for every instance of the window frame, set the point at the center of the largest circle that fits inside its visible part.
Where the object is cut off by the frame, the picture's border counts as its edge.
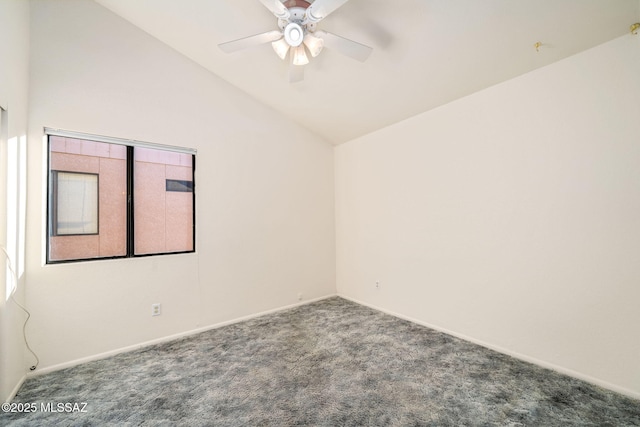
(130, 197)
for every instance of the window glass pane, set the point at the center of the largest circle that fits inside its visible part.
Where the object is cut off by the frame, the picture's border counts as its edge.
(77, 203)
(163, 201)
(179, 185)
(87, 199)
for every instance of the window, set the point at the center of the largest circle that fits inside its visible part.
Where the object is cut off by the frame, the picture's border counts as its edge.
(13, 179)
(75, 203)
(163, 219)
(112, 198)
(180, 186)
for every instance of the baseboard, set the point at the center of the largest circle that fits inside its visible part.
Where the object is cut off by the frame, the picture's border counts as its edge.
(168, 338)
(15, 389)
(544, 364)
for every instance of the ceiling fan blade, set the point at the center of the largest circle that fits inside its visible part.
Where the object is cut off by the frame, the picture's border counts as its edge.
(296, 72)
(320, 9)
(347, 47)
(250, 41)
(277, 8)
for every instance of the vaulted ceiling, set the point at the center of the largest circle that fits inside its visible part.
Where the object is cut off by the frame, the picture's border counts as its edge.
(426, 52)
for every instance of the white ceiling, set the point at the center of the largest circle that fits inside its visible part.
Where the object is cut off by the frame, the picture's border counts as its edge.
(426, 52)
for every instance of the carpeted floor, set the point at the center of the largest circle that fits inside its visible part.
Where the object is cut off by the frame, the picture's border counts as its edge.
(330, 363)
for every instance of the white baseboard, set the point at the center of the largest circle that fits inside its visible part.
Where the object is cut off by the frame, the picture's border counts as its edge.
(104, 355)
(566, 371)
(15, 389)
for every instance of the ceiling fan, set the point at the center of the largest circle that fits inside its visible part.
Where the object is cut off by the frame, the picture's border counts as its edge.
(297, 20)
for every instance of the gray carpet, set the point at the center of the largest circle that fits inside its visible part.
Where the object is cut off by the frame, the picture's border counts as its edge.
(330, 363)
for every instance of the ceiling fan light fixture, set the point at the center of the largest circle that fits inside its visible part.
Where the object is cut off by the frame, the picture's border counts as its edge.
(314, 44)
(299, 56)
(293, 34)
(281, 47)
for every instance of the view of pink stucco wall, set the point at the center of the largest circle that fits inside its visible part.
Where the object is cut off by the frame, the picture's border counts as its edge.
(163, 220)
(109, 162)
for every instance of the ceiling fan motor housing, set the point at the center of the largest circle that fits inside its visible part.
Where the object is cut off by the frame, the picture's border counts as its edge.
(302, 4)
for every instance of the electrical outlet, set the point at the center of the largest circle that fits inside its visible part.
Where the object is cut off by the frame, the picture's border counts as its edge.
(299, 297)
(155, 309)
(377, 284)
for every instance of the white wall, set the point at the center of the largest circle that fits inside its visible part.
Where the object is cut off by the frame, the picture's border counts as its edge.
(14, 73)
(265, 227)
(510, 217)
